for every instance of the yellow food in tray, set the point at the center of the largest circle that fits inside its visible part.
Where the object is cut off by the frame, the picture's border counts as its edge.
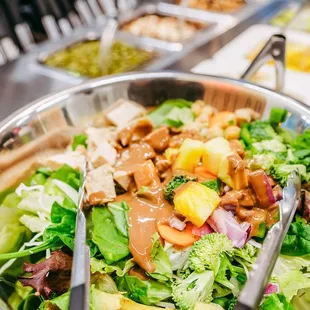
(82, 59)
(297, 56)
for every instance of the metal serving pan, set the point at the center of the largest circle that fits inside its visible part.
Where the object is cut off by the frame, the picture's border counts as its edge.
(151, 9)
(158, 48)
(243, 7)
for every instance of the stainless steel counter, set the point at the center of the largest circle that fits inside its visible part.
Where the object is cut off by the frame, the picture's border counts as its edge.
(24, 80)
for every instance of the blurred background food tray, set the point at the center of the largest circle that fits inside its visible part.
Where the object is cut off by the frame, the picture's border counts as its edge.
(232, 61)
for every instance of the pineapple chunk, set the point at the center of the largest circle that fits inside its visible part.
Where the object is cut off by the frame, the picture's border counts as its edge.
(189, 156)
(196, 202)
(224, 162)
(216, 151)
(171, 153)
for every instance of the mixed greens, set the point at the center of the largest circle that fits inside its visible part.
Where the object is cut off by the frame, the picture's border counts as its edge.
(178, 204)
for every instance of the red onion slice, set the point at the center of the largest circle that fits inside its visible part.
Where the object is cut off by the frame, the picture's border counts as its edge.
(224, 222)
(271, 289)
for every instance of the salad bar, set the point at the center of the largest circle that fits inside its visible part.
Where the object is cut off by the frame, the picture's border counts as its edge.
(181, 192)
(153, 28)
(160, 190)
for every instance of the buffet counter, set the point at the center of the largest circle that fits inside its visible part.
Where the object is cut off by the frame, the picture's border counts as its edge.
(205, 32)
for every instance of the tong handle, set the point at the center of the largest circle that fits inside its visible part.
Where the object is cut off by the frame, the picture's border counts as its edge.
(253, 290)
(273, 50)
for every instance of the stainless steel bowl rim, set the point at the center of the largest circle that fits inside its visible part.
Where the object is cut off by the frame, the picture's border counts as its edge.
(50, 100)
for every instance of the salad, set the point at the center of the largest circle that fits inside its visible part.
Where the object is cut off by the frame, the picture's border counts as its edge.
(179, 201)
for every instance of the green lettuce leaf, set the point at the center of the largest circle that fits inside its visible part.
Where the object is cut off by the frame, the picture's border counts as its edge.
(68, 175)
(121, 268)
(20, 293)
(291, 282)
(79, 140)
(297, 240)
(13, 233)
(245, 256)
(146, 292)
(104, 283)
(276, 302)
(172, 112)
(63, 225)
(105, 234)
(31, 302)
(227, 271)
(61, 303)
(11, 200)
(120, 213)
(163, 267)
(302, 141)
(277, 115)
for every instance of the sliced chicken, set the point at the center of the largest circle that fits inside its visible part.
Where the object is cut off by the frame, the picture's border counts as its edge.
(100, 148)
(100, 185)
(158, 139)
(123, 178)
(123, 111)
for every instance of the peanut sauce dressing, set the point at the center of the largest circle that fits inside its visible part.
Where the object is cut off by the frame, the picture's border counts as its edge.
(147, 208)
(257, 216)
(237, 171)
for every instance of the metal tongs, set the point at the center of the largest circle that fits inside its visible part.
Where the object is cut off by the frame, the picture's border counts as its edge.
(80, 278)
(273, 50)
(253, 290)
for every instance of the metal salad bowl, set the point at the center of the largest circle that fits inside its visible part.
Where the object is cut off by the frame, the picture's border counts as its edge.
(49, 122)
(78, 105)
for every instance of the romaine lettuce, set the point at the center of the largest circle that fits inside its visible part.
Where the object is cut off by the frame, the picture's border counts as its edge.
(148, 292)
(163, 268)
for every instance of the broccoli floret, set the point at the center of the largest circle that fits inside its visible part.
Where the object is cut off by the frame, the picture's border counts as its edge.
(213, 184)
(264, 161)
(206, 252)
(273, 145)
(195, 288)
(257, 132)
(281, 172)
(174, 184)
